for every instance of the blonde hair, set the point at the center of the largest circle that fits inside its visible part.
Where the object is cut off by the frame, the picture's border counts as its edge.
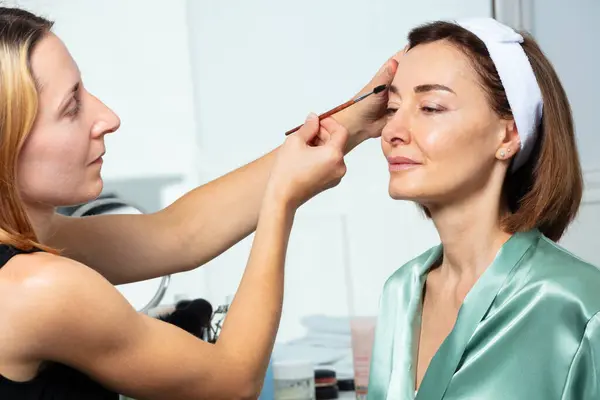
(20, 31)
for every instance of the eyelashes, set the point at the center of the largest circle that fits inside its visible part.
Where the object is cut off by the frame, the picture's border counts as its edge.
(431, 110)
(74, 111)
(390, 111)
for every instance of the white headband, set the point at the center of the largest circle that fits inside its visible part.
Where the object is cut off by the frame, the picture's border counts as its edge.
(521, 87)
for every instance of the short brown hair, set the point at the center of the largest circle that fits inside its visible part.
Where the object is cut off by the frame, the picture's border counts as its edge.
(546, 191)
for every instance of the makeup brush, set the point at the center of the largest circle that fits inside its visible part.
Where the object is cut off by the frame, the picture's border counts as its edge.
(341, 107)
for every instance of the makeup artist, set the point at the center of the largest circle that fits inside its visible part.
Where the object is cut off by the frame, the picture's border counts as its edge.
(71, 334)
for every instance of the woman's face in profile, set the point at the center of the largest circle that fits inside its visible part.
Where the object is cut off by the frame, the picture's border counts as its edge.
(441, 137)
(60, 162)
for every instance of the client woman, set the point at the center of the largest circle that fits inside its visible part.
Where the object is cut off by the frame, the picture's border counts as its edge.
(480, 134)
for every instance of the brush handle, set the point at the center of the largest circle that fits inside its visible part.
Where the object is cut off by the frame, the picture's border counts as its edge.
(325, 115)
(339, 108)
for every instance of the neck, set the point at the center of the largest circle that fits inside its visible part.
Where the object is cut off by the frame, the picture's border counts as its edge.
(41, 218)
(471, 234)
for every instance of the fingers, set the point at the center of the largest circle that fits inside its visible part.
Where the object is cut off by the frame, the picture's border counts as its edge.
(338, 137)
(399, 54)
(338, 172)
(386, 73)
(321, 138)
(310, 129)
(338, 133)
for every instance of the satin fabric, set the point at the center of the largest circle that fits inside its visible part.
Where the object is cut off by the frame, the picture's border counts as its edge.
(528, 329)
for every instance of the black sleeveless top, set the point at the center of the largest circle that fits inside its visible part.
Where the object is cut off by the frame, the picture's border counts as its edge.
(54, 381)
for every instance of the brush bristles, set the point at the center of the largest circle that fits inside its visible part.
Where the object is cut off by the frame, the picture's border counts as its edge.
(379, 89)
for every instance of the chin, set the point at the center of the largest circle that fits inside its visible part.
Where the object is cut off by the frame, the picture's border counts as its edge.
(399, 196)
(61, 194)
(403, 190)
(95, 190)
(84, 195)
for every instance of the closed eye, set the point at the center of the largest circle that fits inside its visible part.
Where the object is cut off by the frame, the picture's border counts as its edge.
(72, 102)
(431, 110)
(74, 110)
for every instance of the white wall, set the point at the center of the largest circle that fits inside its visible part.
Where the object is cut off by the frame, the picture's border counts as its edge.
(582, 236)
(568, 32)
(259, 67)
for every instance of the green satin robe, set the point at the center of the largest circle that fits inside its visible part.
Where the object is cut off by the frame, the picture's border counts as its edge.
(528, 329)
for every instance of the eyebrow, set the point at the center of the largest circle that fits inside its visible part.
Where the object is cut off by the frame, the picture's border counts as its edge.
(424, 88)
(68, 96)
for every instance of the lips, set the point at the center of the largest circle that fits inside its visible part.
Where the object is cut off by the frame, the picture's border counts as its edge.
(397, 163)
(99, 158)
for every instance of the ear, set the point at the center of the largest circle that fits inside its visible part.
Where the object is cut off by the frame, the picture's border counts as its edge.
(511, 142)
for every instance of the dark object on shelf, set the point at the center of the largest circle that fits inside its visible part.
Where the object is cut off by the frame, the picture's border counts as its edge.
(326, 384)
(193, 316)
(346, 385)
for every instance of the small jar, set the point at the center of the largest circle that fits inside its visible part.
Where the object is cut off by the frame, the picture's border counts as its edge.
(326, 384)
(294, 380)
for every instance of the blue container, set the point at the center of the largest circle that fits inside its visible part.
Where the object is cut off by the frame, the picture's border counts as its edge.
(268, 390)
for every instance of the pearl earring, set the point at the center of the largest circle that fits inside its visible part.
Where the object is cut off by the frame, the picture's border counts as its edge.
(502, 154)
(508, 150)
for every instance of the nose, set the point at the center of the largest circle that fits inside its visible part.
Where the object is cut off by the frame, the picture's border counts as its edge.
(106, 121)
(397, 130)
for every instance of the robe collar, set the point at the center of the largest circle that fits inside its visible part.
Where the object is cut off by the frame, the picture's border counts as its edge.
(394, 355)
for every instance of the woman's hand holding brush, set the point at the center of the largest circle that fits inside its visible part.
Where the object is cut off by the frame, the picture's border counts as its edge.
(364, 115)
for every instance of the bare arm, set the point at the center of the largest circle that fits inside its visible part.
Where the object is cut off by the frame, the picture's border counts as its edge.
(190, 232)
(145, 358)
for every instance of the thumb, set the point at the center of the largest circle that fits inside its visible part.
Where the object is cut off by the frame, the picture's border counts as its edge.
(386, 74)
(310, 129)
